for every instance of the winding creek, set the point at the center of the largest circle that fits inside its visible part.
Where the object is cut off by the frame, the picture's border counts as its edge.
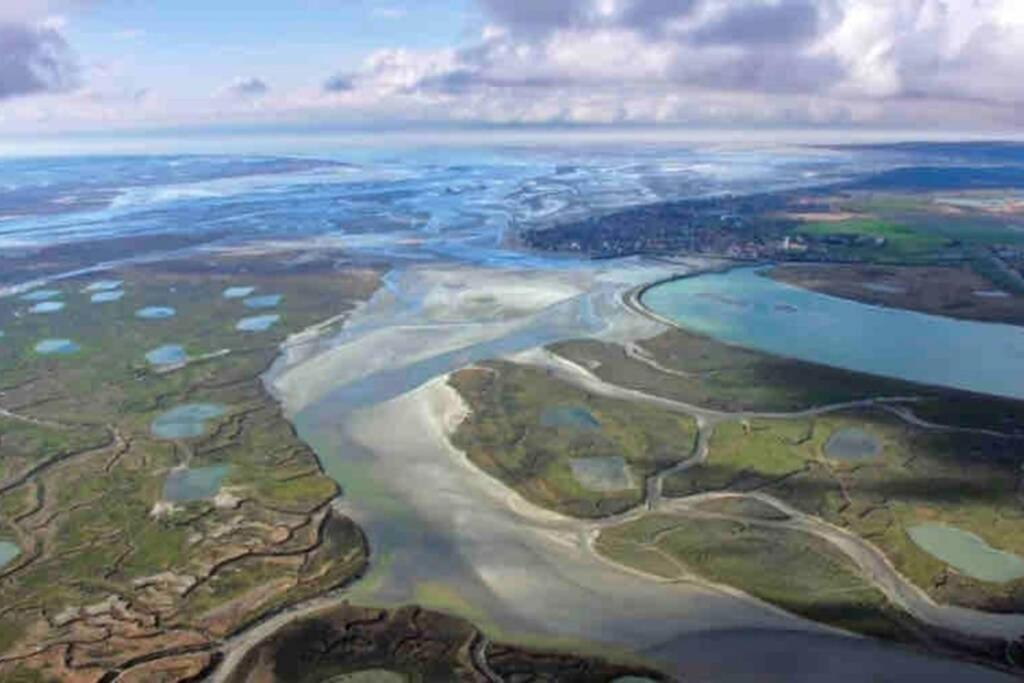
(373, 403)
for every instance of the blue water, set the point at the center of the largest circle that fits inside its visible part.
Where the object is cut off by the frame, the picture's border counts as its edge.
(56, 347)
(185, 484)
(257, 323)
(238, 292)
(742, 307)
(106, 296)
(169, 354)
(185, 421)
(47, 307)
(263, 301)
(102, 286)
(41, 295)
(155, 312)
(8, 551)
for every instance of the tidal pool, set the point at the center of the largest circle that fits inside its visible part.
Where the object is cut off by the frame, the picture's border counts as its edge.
(967, 553)
(257, 323)
(185, 421)
(187, 483)
(576, 417)
(40, 295)
(8, 551)
(47, 307)
(105, 296)
(103, 286)
(852, 443)
(965, 354)
(238, 292)
(263, 301)
(56, 346)
(155, 312)
(602, 474)
(168, 354)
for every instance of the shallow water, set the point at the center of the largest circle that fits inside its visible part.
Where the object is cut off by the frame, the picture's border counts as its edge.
(40, 295)
(967, 553)
(575, 417)
(257, 323)
(8, 551)
(238, 292)
(169, 354)
(155, 312)
(185, 421)
(982, 357)
(102, 286)
(106, 296)
(185, 484)
(47, 307)
(56, 346)
(263, 301)
(609, 473)
(852, 443)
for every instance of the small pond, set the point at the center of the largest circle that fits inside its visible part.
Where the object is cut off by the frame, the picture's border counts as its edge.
(263, 301)
(155, 312)
(193, 483)
(852, 443)
(991, 294)
(575, 417)
(47, 307)
(103, 286)
(967, 553)
(8, 551)
(238, 292)
(602, 474)
(257, 323)
(40, 295)
(56, 346)
(168, 354)
(185, 421)
(109, 295)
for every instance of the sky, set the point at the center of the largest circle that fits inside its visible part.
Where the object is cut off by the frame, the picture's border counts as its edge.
(129, 65)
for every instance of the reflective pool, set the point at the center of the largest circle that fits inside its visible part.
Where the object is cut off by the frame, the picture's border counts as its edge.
(257, 323)
(238, 292)
(168, 354)
(155, 312)
(193, 483)
(740, 307)
(103, 297)
(967, 553)
(56, 346)
(263, 301)
(185, 421)
(47, 307)
(8, 551)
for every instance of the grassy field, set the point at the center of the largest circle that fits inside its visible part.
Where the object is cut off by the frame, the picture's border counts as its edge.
(505, 435)
(967, 481)
(716, 375)
(103, 554)
(901, 241)
(793, 570)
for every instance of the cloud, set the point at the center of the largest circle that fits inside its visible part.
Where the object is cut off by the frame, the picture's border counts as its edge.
(34, 60)
(248, 87)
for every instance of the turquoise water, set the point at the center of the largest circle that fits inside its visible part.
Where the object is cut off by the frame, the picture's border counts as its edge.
(8, 551)
(264, 301)
(185, 421)
(742, 308)
(47, 307)
(155, 312)
(56, 346)
(169, 354)
(107, 295)
(40, 295)
(257, 323)
(238, 292)
(576, 417)
(183, 484)
(103, 286)
(852, 443)
(967, 553)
